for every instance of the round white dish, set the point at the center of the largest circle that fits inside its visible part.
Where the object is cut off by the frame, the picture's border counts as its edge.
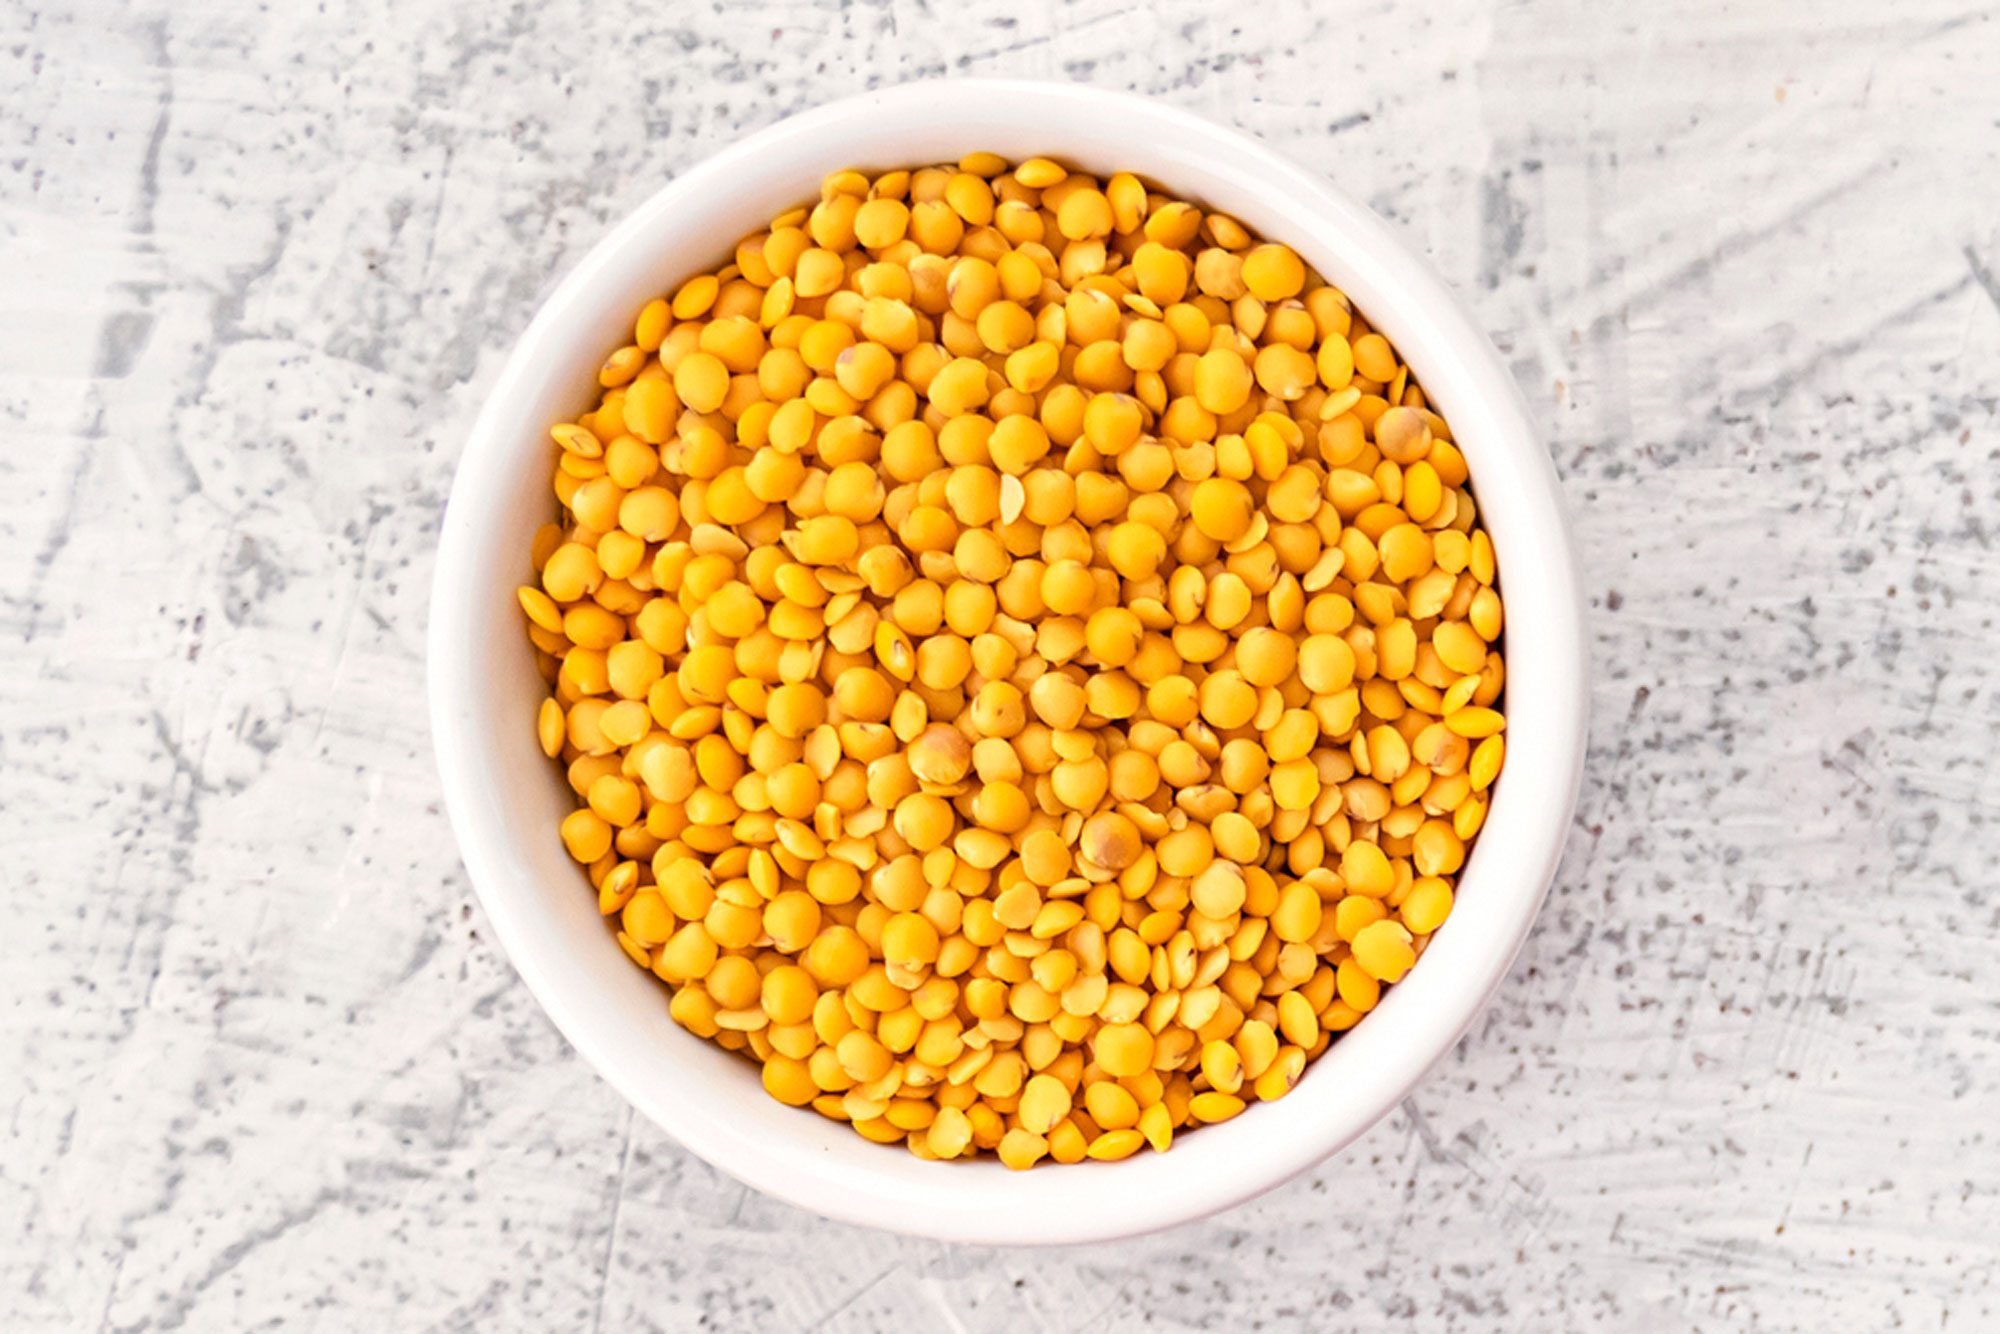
(506, 799)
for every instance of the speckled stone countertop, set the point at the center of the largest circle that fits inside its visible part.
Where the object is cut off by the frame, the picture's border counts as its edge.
(261, 1064)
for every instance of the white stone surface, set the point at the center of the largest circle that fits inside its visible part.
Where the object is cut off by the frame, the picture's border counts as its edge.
(260, 1063)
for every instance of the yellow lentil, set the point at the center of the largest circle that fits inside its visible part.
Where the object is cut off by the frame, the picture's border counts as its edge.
(1026, 656)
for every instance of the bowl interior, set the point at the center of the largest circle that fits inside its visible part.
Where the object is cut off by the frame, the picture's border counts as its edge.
(506, 799)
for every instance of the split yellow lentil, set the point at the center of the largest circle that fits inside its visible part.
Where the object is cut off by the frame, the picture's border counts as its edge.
(1026, 655)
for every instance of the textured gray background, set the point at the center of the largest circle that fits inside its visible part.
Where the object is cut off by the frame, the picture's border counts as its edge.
(260, 1062)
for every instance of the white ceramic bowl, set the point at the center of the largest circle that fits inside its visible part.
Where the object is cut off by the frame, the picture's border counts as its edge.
(505, 798)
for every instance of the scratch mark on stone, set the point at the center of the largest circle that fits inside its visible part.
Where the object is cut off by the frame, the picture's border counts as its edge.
(1984, 277)
(174, 1312)
(611, 1237)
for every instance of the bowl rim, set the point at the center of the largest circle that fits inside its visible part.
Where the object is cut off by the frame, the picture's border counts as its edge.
(1512, 863)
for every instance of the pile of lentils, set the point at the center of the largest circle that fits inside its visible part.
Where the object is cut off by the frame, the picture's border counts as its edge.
(1026, 656)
